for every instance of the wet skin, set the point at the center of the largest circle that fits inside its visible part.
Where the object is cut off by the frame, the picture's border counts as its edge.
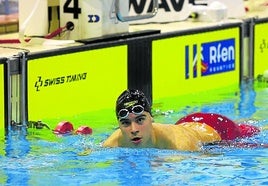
(136, 130)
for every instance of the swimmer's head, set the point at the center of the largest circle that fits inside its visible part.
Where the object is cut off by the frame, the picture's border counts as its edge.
(132, 101)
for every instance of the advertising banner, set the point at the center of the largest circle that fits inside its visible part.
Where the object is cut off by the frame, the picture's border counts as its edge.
(75, 83)
(260, 65)
(196, 62)
(3, 99)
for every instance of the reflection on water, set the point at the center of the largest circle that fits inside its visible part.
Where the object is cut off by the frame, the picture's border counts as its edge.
(246, 106)
(17, 145)
(32, 157)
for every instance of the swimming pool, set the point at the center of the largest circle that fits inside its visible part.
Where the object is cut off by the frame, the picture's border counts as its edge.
(38, 157)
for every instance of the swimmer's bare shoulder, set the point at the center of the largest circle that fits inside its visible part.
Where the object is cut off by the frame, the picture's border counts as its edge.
(169, 136)
(205, 132)
(113, 139)
(188, 137)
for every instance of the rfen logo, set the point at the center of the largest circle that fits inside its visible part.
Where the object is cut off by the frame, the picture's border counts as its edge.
(217, 57)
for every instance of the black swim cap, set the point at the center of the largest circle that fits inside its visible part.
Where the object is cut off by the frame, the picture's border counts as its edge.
(130, 98)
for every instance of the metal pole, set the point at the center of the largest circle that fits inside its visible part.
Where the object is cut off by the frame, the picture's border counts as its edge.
(23, 89)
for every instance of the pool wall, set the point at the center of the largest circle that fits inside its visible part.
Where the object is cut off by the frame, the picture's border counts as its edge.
(195, 62)
(3, 93)
(68, 82)
(260, 47)
(136, 62)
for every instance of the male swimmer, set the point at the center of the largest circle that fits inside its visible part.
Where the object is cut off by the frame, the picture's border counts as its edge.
(137, 129)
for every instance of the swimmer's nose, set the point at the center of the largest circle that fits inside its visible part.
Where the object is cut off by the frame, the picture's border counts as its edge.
(134, 130)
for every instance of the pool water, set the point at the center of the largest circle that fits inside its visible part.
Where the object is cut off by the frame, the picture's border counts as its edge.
(38, 157)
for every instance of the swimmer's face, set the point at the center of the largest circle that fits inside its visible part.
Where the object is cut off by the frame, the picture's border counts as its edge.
(136, 130)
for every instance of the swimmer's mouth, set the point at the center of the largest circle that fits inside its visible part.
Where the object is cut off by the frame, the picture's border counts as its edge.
(136, 140)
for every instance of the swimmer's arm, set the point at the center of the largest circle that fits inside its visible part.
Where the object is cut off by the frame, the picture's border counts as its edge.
(191, 136)
(113, 140)
(175, 137)
(206, 134)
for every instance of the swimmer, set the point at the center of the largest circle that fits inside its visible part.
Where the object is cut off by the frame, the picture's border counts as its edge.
(138, 130)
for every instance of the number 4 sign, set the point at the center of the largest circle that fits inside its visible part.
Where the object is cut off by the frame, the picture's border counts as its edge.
(72, 7)
(92, 18)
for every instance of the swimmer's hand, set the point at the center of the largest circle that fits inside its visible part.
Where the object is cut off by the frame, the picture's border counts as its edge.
(85, 152)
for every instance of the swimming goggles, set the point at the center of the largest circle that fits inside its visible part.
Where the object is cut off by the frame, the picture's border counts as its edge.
(137, 110)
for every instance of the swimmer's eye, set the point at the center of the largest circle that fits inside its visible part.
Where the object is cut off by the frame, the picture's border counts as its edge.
(125, 122)
(140, 119)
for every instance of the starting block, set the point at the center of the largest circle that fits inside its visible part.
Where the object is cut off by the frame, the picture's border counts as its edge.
(96, 18)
